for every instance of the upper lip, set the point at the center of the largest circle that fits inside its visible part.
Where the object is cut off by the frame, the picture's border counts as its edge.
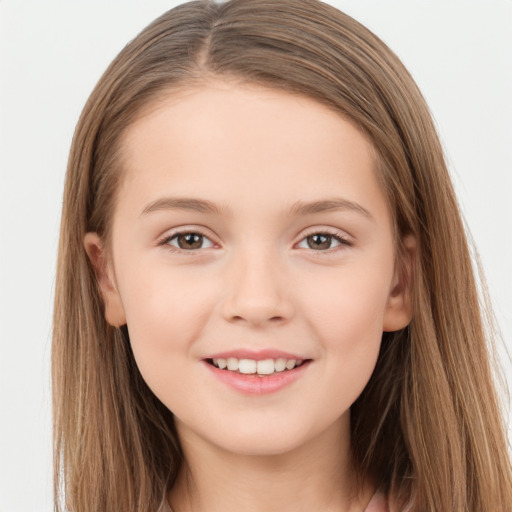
(257, 355)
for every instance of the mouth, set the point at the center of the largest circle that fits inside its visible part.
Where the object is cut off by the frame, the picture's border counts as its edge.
(259, 368)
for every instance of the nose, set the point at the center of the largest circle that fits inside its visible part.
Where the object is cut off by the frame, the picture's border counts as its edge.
(258, 291)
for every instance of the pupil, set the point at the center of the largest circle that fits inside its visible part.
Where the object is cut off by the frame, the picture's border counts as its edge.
(192, 241)
(319, 241)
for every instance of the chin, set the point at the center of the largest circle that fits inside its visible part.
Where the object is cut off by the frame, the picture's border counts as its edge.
(261, 446)
(268, 439)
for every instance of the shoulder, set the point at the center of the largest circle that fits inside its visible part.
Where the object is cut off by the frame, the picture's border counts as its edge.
(378, 503)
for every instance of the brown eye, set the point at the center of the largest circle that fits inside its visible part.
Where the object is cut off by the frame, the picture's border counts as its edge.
(322, 242)
(188, 241)
(319, 241)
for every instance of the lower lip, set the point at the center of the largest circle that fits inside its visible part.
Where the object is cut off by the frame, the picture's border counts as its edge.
(253, 384)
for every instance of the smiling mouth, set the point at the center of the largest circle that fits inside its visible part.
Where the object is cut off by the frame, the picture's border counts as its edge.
(261, 368)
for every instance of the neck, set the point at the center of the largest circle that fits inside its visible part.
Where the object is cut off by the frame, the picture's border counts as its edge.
(318, 476)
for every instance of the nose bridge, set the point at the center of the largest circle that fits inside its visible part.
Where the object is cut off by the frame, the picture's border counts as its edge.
(258, 288)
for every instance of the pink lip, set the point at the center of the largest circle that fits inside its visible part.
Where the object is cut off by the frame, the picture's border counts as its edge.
(257, 355)
(255, 385)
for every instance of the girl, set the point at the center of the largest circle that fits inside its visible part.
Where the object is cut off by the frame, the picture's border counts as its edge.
(265, 299)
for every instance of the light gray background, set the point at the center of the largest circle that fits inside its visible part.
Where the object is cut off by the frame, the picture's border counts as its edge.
(51, 55)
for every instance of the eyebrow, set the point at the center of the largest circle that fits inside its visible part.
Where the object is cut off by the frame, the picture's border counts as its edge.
(297, 209)
(307, 208)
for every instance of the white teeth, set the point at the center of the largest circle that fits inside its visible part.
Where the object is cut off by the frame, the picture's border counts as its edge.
(232, 364)
(247, 366)
(290, 364)
(265, 367)
(280, 365)
(251, 366)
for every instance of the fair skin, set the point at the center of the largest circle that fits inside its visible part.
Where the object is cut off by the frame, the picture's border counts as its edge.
(257, 280)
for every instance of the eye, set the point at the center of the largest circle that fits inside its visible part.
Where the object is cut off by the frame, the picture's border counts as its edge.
(323, 241)
(192, 241)
(186, 241)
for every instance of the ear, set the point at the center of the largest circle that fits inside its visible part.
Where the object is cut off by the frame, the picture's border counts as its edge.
(114, 310)
(398, 312)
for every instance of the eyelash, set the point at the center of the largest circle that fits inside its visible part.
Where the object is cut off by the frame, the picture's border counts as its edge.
(193, 252)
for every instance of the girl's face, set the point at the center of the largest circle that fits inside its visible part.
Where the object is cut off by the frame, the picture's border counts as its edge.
(250, 227)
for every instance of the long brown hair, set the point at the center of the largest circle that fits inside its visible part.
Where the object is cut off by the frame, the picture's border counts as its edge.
(427, 428)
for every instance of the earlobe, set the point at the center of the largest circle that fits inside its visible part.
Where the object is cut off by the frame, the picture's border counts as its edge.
(398, 313)
(114, 310)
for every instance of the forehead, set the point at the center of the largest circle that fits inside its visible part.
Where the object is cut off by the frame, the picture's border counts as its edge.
(223, 139)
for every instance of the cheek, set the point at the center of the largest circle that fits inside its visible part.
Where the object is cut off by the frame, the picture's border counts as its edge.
(163, 304)
(352, 300)
(165, 313)
(347, 315)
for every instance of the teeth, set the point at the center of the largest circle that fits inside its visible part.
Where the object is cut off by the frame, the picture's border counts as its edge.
(247, 366)
(232, 364)
(265, 367)
(290, 365)
(251, 366)
(280, 365)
